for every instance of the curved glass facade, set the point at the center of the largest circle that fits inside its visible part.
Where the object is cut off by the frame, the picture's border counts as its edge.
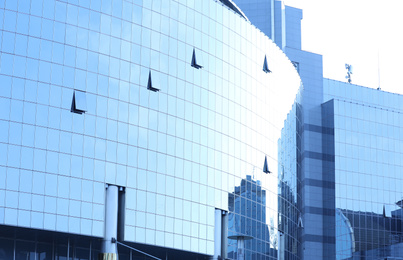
(289, 185)
(167, 99)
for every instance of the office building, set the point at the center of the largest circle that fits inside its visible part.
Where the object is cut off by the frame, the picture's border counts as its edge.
(348, 157)
(179, 129)
(283, 25)
(136, 123)
(366, 143)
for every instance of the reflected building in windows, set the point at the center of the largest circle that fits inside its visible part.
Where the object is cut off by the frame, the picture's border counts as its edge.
(364, 139)
(125, 125)
(247, 220)
(289, 184)
(300, 155)
(138, 125)
(368, 234)
(348, 162)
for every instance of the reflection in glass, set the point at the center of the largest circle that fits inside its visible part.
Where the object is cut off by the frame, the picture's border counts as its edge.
(6, 249)
(243, 218)
(25, 250)
(79, 104)
(181, 144)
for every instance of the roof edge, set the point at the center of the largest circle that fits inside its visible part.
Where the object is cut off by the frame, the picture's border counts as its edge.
(230, 4)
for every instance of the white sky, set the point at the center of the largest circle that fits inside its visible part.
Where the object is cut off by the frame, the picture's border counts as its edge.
(352, 31)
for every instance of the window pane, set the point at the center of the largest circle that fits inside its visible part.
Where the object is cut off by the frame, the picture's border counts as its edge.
(24, 251)
(44, 251)
(80, 101)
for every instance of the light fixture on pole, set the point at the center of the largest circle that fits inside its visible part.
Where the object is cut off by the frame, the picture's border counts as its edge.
(240, 239)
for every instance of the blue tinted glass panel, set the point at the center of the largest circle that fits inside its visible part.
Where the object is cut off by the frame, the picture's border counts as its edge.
(80, 100)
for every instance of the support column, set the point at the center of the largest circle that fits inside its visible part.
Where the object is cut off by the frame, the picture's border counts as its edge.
(241, 248)
(217, 234)
(220, 234)
(109, 247)
(224, 235)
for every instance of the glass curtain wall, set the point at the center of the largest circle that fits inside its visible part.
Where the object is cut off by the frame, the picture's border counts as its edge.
(368, 149)
(178, 102)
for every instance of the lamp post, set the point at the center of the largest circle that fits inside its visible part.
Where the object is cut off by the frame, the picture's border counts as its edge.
(240, 244)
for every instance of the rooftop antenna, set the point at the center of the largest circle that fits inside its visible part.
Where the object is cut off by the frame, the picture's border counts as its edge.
(379, 74)
(349, 69)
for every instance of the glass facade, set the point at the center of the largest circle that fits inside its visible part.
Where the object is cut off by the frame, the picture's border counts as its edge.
(108, 92)
(367, 152)
(289, 186)
(303, 188)
(48, 246)
(343, 178)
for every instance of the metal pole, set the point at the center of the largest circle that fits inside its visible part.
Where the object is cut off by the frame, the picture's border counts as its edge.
(217, 234)
(132, 248)
(241, 248)
(109, 246)
(224, 234)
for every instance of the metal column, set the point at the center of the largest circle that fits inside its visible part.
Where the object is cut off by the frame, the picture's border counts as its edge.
(220, 234)
(240, 242)
(217, 234)
(109, 246)
(241, 248)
